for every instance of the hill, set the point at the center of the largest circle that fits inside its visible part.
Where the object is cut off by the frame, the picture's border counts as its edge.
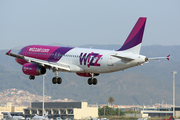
(146, 84)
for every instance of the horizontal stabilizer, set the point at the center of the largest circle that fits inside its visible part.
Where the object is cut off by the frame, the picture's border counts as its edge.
(123, 57)
(158, 58)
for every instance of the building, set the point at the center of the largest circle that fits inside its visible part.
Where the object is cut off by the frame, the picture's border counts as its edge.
(12, 109)
(146, 113)
(72, 110)
(161, 112)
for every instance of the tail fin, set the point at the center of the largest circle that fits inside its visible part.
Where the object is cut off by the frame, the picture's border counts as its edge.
(91, 118)
(46, 115)
(133, 42)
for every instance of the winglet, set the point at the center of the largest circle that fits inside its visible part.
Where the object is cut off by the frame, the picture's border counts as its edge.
(8, 53)
(168, 57)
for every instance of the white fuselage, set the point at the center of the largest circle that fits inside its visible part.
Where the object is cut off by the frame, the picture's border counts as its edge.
(99, 61)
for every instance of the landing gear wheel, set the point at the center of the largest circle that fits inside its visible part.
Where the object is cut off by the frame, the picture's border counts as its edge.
(90, 81)
(59, 80)
(54, 80)
(31, 77)
(94, 81)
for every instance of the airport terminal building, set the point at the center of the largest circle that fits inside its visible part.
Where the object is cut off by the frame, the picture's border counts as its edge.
(72, 110)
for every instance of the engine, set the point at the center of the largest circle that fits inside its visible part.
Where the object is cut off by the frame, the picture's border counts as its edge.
(33, 69)
(86, 74)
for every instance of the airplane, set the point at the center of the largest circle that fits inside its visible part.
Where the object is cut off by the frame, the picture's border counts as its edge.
(83, 61)
(168, 119)
(45, 117)
(14, 117)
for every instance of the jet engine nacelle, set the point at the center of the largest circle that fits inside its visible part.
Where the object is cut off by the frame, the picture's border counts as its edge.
(86, 74)
(33, 69)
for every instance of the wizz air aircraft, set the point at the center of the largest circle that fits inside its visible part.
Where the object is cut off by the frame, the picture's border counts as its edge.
(9, 117)
(36, 117)
(83, 61)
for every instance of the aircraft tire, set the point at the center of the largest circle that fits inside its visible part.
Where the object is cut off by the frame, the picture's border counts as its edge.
(59, 80)
(31, 77)
(94, 81)
(90, 81)
(54, 80)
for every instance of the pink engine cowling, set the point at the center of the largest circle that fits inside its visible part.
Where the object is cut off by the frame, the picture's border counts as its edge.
(33, 69)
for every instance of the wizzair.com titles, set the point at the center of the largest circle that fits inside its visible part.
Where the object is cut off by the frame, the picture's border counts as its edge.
(38, 49)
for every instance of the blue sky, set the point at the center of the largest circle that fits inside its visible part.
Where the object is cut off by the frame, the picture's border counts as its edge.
(80, 22)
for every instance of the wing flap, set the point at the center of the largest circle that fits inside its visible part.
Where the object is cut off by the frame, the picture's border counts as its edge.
(58, 66)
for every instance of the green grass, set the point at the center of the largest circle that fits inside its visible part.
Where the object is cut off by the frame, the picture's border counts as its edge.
(130, 118)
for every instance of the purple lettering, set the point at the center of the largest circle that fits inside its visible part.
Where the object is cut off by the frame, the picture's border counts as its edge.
(89, 58)
(83, 57)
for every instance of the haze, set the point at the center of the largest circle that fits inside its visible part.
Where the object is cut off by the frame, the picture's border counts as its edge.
(80, 22)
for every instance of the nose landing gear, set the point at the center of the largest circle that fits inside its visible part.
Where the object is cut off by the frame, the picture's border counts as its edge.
(31, 77)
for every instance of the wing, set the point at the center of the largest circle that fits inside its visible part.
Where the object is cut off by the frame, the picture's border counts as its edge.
(50, 65)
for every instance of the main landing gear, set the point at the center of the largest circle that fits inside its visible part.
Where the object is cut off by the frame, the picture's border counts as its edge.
(92, 80)
(56, 79)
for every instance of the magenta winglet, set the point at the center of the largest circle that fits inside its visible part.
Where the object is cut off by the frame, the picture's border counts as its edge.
(9, 52)
(168, 57)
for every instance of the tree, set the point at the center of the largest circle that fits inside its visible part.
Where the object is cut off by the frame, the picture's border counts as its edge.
(119, 112)
(107, 111)
(111, 100)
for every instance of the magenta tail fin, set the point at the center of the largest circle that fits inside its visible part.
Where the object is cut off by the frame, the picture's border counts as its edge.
(133, 41)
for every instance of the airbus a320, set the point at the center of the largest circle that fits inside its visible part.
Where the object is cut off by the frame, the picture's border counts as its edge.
(83, 61)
